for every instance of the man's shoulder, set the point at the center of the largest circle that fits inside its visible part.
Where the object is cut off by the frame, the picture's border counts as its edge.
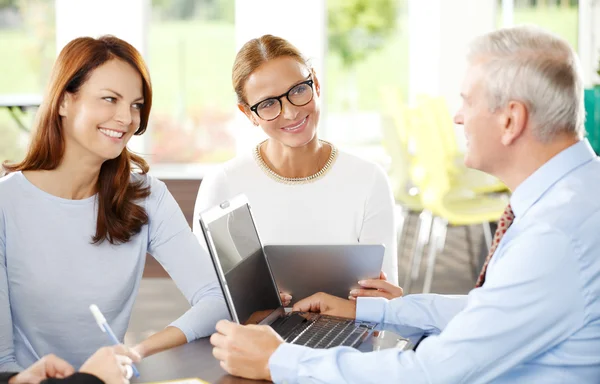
(571, 203)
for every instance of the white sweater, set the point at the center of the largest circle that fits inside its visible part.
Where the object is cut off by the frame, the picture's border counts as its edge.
(352, 203)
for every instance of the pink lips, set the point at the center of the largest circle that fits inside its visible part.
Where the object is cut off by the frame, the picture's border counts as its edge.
(101, 129)
(298, 126)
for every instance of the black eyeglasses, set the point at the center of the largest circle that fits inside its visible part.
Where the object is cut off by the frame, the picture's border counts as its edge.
(299, 95)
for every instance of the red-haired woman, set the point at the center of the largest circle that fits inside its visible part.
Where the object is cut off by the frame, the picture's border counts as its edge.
(79, 214)
(109, 365)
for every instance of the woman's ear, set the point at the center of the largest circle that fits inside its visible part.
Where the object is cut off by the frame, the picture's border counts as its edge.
(65, 100)
(246, 111)
(316, 82)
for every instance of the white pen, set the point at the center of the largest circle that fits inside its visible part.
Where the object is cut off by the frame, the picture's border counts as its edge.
(103, 324)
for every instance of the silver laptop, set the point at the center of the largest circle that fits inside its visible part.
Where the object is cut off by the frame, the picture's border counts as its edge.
(252, 295)
(302, 270)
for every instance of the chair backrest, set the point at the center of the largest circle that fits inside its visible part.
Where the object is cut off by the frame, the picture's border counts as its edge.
(394, 107)
(438, 108)
(395, 141)
(429, 155)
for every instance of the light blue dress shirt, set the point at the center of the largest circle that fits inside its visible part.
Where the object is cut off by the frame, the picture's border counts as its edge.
(535, 320)
(50, 273)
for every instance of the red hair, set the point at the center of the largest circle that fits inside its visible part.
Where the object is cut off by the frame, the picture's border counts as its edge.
(119, 217)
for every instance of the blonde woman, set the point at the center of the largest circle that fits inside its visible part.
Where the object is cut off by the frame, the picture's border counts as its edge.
(303, 190)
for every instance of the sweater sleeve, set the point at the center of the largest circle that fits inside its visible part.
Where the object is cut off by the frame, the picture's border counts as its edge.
(8, 360)
(173, 244)
(378, 223)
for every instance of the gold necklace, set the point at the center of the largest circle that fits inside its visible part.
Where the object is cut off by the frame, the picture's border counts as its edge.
(296, 180)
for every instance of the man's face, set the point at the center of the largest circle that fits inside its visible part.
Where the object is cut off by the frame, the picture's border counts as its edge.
(482, 127)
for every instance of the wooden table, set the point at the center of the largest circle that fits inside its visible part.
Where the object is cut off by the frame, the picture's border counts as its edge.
(195, 359)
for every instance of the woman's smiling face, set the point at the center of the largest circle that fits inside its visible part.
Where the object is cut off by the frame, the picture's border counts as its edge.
(296, 125)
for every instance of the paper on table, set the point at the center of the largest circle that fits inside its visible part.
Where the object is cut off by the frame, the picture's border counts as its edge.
(193, 380)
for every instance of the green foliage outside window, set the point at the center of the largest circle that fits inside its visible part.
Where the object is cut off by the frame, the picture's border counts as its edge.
(358, 27)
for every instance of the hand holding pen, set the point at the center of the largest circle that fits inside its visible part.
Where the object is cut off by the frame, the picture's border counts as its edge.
(127, 362)
(112, 365)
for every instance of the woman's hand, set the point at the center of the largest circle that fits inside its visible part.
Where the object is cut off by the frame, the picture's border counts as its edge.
(286, 298)
(377, 288)
(48, 366)
(327, 305)
(111, 364)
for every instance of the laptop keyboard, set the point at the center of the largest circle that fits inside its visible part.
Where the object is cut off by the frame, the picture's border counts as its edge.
(321, 332)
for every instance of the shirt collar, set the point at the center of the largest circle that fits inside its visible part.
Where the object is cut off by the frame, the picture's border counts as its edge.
(530, 190)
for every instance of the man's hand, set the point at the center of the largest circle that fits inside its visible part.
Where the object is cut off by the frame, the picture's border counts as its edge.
(46, 367)
(327, 305)
(377, 288)
(111, 364)
(244, 350)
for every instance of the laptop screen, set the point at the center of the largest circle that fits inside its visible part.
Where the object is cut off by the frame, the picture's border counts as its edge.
(244, 265)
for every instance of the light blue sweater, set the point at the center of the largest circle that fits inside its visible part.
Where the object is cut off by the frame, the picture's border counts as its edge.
(50, 272)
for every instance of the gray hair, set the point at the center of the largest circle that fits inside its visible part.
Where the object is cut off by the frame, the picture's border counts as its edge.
(541, 70)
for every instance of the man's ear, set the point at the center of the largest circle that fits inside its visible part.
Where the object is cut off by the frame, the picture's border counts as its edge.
(246, 111)
(516, 118)
(65, 101)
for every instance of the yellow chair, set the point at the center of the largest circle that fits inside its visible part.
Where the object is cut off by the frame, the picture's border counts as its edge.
(407, 172)
(447, 200)
(438, 112)
(402, 172)
(395, 142)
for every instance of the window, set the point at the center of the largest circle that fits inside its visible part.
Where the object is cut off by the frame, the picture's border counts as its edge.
(558, 16)
(27, 44)
(191, 49)
(367, 55)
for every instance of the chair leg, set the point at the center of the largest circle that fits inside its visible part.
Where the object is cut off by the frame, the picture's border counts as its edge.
(487, 234)
(401, 217)
(421, 239)
(473, 254)
(438, 239)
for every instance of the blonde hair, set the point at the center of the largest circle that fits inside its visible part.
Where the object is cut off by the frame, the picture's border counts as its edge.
(257, 52)
(538, 68)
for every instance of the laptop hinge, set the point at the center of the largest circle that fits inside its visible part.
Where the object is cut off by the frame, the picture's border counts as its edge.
(279, 312)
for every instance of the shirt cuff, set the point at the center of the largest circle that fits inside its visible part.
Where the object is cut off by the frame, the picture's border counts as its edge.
(200, 320)
(76, 378)
(284, 362)
(371, 309)
(190, 335)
